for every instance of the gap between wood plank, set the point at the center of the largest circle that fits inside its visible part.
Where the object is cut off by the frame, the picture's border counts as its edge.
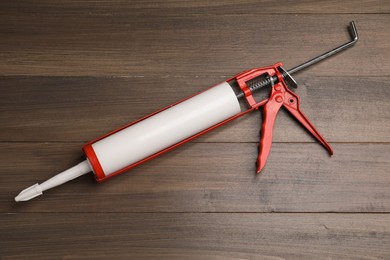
(199, 212)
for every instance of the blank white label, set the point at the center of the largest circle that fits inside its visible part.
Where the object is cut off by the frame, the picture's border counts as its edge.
(166, 128)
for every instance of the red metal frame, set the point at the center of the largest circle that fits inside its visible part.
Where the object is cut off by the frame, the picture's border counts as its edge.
(244, 77)
(97, 168)
(266, 139)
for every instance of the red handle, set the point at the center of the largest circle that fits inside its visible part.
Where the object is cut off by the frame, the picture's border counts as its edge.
(281, 95)
(270, 111)
(292, 104)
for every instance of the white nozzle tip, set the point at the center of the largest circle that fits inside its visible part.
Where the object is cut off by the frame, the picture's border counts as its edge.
(29, 193)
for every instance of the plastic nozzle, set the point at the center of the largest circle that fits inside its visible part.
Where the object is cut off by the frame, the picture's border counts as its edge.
(29, 193)
(65, 176)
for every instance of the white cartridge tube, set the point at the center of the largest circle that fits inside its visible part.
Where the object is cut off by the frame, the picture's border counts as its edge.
(149, 136)
(166, 128)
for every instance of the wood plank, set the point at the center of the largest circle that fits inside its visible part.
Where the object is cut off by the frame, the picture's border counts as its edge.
(344, 109)
(71, 41)
(194, 236)
(71, 71)
(174, 7)
(207, 177)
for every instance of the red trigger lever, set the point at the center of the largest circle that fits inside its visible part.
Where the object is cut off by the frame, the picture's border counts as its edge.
(280, 96)
(280, 80)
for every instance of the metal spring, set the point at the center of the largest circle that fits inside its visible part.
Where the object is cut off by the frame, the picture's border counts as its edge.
(268, 82)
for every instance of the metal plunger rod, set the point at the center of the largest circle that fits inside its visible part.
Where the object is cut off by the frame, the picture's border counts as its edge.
(355, 38)
(274, 79)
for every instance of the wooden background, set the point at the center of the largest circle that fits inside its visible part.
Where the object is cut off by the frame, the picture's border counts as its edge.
(71, 71)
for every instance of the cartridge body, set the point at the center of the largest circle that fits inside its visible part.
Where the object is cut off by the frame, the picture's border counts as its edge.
(155, 134)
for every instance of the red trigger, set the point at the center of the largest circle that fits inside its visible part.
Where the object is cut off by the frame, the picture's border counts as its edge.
(282, 95)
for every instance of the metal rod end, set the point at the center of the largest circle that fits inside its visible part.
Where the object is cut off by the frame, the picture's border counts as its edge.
(354, 32)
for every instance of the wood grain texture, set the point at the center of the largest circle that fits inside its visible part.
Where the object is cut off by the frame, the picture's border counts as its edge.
(207, 177)
(71, 43)
(200, 7)
(72, 70)
(344, 109)
(196, 236)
